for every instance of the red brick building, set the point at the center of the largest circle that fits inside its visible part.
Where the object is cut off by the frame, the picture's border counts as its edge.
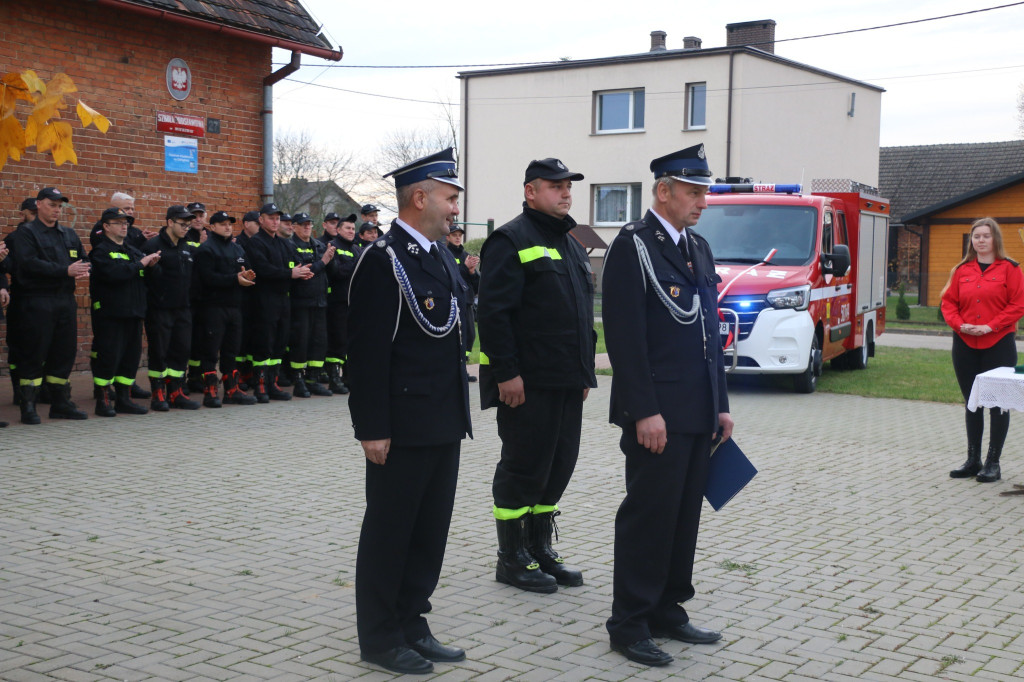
(119, 54)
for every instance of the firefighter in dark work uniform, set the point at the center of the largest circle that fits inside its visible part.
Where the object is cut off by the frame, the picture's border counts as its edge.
(117, 288)
(49, 261)
(250, 226)
(339, 274)
(410, 409)
(536, 366)
(168, 316)
(669, 396)
(307, 340)
(195, 236)
(470, 275)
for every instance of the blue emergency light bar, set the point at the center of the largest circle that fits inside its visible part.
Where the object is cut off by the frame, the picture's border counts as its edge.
(755, 189)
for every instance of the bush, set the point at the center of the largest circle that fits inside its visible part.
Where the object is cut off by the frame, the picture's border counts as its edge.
(473, 246)
(902, 309)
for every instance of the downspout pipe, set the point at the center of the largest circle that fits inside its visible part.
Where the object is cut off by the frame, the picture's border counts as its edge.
(267, 116)
(728, 124)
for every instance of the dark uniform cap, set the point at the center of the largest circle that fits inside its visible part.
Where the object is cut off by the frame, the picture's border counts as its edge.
(251, 216)
(456, 228)
(688, 165)
(113, 213)
(196, 206)
(220, 217)
(301, 218)
(350, 218)
(178, 213)
(366, 227)
(286, 218)
(51, 193)
(28, 205)
(439, 166)
(331, 216)
(369, 208)
(271, 208)
(549, 169)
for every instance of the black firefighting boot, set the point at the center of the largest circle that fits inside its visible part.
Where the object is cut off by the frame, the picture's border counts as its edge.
(273, 388)
(515, 565)
(210, 394)
(259, 378)
(990, 473)
(29, 395)
(158, 387)
(299, 387)
(283, 375)
(972, 466)
(123, 400)
(176, 397)
(315, 387)
(194, 379)
(61, 406)
(245, 376)
(45, 395)
(138, 392)
(540, 526)
(233, 394)
(334, 381)
(15, 388)
(104, 401)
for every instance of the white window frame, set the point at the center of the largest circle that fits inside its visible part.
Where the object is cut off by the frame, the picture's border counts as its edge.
(691, 101)
(634, 199)
(598, 103)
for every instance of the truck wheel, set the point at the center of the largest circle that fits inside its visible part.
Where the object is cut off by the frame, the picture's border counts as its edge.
(858, 357)
(807, 381)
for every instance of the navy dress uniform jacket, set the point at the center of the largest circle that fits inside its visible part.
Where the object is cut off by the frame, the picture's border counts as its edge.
(406, 385)
(661, 365)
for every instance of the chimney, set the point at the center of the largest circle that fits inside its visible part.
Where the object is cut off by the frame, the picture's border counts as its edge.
(658, 41)
(759, 34)
(691, 43)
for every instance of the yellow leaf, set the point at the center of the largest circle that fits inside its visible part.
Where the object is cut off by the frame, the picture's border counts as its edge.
(56, 139)
(34, 82)
(12, 88)
(87, 115)
(60, 84)
(32, 131)
(47, 106)
(12, 140)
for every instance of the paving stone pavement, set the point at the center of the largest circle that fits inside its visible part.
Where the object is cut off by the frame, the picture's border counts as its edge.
(220, 545)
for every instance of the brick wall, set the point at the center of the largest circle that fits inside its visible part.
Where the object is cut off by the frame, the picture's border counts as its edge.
(759, 34)
(117, 60)
(946, 241)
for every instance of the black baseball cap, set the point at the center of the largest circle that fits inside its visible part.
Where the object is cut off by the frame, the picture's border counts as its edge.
(251, 216)
(178, 213)
(271, 209)
(366, 227)
(456, 228)
(220, 217)
(331, 216)
(301, 218)
(51, 193)
(286, 218)
(113, 213)
(196, 206)
(369, 208)
(549, 169)
(350, 218)
(28, 205)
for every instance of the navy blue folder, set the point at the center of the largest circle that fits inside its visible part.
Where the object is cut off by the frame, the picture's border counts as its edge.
(729, 472)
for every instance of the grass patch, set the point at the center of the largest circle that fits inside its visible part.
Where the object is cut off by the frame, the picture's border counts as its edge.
(901, 373)
(730, 565)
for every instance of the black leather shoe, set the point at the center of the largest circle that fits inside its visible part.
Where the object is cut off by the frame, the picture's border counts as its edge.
(432, 650)
(644, 651)
(689, 633)
(402, 660)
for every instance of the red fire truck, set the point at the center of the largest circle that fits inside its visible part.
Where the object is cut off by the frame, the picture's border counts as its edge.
(803, 276)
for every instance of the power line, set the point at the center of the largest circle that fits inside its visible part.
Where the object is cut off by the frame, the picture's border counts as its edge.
(780, 40)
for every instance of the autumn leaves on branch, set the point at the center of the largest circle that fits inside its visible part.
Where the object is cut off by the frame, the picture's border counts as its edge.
(43, 128)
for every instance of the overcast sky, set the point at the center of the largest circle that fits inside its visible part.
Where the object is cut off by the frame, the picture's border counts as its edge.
(949, 80)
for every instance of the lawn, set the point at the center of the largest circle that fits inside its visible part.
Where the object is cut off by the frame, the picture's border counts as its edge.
(903, 373)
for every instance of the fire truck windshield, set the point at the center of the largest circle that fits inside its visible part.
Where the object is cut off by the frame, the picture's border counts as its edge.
(745, 233)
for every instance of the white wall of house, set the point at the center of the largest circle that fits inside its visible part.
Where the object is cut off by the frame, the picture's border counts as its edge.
(788, 123)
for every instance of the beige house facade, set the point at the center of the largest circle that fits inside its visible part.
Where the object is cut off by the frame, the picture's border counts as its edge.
(760, 116)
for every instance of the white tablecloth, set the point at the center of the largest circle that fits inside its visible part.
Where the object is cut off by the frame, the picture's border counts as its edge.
(999, 387)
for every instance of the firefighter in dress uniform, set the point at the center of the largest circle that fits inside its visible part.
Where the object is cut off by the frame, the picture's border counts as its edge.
(224, 275)
(339, 276)
(669, 397)
(536, 319)
(117, 287)
(307, 340)
(410, 409)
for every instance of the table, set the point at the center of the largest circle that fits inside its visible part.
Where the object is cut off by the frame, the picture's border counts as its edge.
(1000, 387)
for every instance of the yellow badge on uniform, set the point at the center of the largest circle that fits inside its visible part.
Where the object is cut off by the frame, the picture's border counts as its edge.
(429, 304)
(673, 291)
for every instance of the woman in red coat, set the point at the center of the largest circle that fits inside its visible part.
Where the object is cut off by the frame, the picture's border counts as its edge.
(982, 302)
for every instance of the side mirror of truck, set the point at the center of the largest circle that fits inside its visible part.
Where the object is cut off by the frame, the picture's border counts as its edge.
(836, 263)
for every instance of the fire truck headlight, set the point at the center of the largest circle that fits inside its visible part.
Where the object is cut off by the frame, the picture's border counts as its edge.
(797, 298)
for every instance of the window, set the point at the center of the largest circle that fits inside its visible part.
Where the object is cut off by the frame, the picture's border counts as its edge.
(616, 204)
(826, 233)
(620, 111)
(696, 106)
